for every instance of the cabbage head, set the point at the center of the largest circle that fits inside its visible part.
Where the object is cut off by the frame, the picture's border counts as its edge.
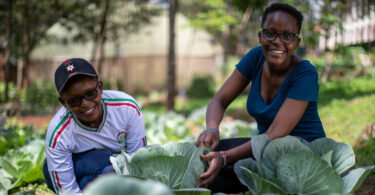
(291, 165)
(175, 164)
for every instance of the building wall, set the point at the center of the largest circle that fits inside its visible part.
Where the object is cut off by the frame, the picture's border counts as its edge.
(358, 26)
(137, 74)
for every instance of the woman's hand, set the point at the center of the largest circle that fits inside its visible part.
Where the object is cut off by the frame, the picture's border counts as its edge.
(208, 139)
(216, 163)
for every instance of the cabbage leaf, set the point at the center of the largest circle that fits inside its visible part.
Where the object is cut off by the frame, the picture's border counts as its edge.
(175, 164)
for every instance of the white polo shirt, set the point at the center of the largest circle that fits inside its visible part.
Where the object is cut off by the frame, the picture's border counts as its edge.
(122, 126)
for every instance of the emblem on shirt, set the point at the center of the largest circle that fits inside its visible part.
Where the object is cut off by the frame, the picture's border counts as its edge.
(121, 137)
(70, 67)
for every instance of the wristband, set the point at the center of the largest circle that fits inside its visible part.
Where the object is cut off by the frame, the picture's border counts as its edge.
(224, 155)
(213, 129)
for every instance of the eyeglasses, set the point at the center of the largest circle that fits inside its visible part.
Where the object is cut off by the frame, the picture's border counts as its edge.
(285, 37)
(89, 95)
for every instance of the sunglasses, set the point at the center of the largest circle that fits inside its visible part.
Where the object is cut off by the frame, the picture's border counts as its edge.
(285, 37)
(89, 95)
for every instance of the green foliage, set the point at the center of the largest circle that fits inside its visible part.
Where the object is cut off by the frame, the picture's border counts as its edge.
(23, 165)
(290, 165)
(202, 86)
(365, 151)
(40, 96)
(15, 136)
(11, 93)
(339, 121)
(175, 164)
(162, 128)
(344, 63)
(345, 90)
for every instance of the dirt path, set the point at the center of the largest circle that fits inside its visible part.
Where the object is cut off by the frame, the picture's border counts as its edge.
(39, 122)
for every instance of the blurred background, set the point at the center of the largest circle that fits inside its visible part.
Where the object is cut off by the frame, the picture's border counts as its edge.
(172, 56)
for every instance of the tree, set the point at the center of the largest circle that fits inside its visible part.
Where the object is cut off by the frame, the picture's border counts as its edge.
(171, 76)
(116, 17)
(8, 27)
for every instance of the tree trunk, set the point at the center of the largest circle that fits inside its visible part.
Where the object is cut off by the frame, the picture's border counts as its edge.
(98, 51)
(171, 76)
(114, 70)
(26, 45)
(8, 25)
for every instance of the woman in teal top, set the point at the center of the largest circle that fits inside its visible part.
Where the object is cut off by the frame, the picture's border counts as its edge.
(300, 84)
(282, 99)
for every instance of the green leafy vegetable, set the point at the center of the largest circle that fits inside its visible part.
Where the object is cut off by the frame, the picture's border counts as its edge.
(290, 165)
(175, 164)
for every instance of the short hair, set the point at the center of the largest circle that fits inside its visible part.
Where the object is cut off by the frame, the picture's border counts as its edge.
(285, 8)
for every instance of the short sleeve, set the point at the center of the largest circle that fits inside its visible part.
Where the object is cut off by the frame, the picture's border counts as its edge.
(136, 134)
(304, 85)
(248, 64)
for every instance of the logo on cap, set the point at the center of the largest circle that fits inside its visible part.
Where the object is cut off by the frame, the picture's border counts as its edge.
(70, 67)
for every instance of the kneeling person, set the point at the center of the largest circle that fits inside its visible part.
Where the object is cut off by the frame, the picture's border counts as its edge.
(92, 125)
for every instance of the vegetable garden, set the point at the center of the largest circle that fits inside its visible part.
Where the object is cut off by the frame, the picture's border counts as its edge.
(22, 149)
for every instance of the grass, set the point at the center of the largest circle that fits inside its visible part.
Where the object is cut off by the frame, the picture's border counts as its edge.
(345, 120)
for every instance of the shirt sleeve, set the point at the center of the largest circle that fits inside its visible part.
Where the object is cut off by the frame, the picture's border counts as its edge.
(135, 132)
(248, 64)
(304, 85)
(60, 163)
(60, 168)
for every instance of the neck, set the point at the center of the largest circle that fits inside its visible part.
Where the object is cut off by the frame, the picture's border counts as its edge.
(280, 71)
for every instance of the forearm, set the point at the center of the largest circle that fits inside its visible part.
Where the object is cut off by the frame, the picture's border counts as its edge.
(214, 114)
(239, 152)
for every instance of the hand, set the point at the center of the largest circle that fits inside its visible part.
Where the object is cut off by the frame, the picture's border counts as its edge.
(216, 163)
(208, 139)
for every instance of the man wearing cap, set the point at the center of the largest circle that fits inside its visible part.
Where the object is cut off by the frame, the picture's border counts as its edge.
(92, 125)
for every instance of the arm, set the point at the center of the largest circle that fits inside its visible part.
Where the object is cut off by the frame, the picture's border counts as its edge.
(286, 119)
(234, 85)
(135, 132)
(61, 171)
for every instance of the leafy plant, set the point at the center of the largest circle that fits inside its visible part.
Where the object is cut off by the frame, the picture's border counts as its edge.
(40, 96)
(14, 136)
(22, 166)
(202, 86)
(291, 165)
(113, 184)
(174, 164)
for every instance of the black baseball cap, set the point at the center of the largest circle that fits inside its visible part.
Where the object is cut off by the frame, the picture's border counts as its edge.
(70, 68)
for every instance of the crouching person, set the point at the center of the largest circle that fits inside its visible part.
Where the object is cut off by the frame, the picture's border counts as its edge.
(92, 125)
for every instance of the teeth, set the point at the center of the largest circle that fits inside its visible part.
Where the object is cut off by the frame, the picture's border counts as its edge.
(88, 111)
(277, 51)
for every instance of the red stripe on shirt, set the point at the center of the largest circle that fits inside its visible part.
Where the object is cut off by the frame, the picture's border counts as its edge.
(57, 180)
(124, 104)
(144, 142)
(61, 130)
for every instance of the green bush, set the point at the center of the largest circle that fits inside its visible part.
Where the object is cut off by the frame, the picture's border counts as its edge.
(11, 91)
(40, 96)
(202, 86)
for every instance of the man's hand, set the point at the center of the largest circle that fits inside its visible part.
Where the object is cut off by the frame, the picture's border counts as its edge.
(216, 163)
(208, 139)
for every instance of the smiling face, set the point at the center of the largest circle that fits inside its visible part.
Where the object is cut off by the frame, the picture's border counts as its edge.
(277, 53)
(90, 110)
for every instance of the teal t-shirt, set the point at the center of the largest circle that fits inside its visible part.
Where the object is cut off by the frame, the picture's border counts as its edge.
(301, 84)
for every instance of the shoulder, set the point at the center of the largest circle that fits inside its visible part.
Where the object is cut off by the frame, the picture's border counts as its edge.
(113, 94)
(58, 127)
(119, 99)
(255, 52)
(305, 67)
(250, 64)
